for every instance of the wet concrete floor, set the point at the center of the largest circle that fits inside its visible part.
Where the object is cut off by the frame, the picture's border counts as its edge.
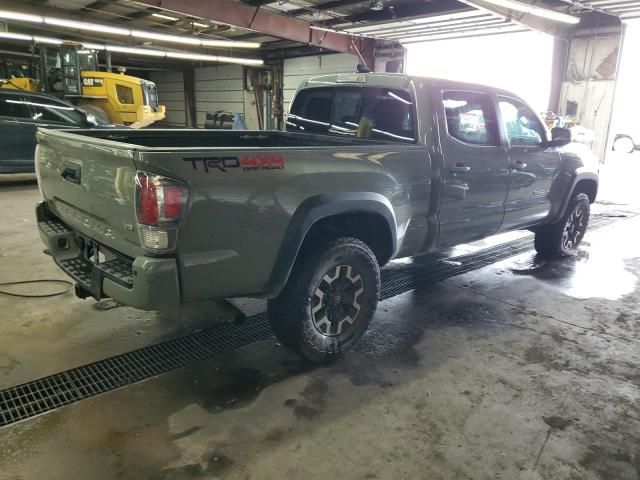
(520, 370)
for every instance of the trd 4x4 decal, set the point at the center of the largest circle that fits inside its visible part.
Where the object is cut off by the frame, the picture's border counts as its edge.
(247, 163)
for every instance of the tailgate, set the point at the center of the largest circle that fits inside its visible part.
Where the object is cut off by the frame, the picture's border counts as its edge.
(89, 184)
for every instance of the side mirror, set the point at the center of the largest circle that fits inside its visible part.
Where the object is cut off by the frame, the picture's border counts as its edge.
(91, 120)
(560, 137)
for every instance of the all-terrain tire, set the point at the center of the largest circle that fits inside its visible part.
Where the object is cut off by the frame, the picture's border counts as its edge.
(562, 238)
(329, 299)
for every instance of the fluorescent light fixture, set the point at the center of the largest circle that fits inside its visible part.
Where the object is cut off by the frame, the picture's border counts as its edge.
(229, 43)
(23, 17)
(48, 40)
(125, 32)
(199, 57)
(134, 51)
(94, 27)
(164, 17)
(213, 58)
(201, 25)
(15, 36)
(534, 10)
(163, 37)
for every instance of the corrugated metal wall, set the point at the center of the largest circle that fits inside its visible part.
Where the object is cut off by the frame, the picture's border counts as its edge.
(219, 88)
(171, 94)
(296, 70)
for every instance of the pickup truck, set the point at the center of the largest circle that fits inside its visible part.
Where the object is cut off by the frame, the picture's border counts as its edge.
(371, 167)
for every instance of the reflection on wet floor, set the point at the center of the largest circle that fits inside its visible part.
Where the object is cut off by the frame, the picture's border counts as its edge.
(588, 275)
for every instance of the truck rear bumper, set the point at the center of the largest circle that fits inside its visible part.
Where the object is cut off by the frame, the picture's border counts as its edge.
(144, 282)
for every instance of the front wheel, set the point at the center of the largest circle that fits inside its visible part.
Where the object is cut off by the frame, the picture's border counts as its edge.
(329, 300)
(561, 239)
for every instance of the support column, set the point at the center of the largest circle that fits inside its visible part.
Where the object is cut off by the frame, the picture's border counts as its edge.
(189, 81)
(558, 70)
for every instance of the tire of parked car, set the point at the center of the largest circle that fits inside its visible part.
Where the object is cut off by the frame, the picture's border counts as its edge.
(624, 144)
(562, 238)
(329, 299)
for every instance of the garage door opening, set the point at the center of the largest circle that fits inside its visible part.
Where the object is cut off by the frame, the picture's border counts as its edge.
(518, 62)
(618, 175)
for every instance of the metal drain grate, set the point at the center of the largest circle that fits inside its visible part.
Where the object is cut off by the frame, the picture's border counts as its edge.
(49, 393)
(41, 396)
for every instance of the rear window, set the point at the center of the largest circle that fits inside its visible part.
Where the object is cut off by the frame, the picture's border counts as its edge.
(370, 113)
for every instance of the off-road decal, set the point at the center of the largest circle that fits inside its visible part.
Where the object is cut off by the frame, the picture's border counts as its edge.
(248, 163)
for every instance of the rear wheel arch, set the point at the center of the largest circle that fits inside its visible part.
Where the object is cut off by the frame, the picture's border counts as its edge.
(367, 216)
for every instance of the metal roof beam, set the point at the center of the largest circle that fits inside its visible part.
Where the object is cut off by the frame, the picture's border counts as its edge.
(269, 23)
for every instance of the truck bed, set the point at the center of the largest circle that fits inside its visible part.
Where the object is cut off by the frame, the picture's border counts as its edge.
(199, 138)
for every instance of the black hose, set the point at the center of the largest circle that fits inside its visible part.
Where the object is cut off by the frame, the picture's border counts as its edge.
(37, 295)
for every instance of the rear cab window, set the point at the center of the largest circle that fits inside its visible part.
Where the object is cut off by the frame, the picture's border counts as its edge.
(361, 112)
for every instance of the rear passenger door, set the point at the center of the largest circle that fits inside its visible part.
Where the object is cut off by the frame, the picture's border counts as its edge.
(476, 169)
(533, 165)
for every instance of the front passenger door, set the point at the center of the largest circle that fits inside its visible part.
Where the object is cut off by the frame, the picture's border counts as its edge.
(533, 165)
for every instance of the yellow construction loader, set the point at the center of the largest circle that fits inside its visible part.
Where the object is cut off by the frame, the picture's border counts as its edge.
(71, 72)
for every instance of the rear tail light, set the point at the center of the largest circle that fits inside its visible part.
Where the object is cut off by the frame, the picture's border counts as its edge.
(160, 204)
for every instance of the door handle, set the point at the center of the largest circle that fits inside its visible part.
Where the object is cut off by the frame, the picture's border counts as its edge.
(460, 168)
(518, 165)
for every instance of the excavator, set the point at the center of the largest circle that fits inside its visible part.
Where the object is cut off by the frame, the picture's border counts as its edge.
(71, 72)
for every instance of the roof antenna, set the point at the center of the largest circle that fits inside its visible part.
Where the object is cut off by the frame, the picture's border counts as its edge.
(362, 68)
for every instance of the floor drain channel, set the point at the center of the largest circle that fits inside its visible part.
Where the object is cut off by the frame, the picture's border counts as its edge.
(49, 393)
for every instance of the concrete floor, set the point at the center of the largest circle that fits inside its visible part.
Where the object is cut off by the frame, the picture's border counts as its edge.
(520, 370)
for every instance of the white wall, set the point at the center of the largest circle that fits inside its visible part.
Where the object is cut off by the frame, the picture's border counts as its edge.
(219, 88)
(171, 94)
(296, 70)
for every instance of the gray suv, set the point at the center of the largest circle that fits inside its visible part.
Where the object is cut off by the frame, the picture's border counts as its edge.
(21, 113)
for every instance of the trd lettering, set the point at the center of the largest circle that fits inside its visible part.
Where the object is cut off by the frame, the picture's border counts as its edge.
(248, 163)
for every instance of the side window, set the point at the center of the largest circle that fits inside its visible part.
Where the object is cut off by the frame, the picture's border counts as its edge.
(311, 110)
(125, 94)
(521, 124)
(470, 117)
(44, 110)
(13, 106)
(387, 115)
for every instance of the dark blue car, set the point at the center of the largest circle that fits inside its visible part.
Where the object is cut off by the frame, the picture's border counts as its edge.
(21, 113)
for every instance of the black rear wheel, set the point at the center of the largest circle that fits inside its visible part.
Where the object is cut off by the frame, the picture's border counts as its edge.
(329, 300)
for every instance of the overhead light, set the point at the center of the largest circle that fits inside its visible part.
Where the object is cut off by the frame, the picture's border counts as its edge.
(134, 51)
(163, 37)
(533, 10)
(199, 57)
(50, 41)
(377, 5)
(95, 27)
(15, 36)
(201, 25)
(225, 44)
(164, 17)
(213, 58)
(23, 17)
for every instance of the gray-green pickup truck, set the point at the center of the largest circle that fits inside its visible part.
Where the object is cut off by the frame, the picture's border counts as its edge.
(371, 167)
